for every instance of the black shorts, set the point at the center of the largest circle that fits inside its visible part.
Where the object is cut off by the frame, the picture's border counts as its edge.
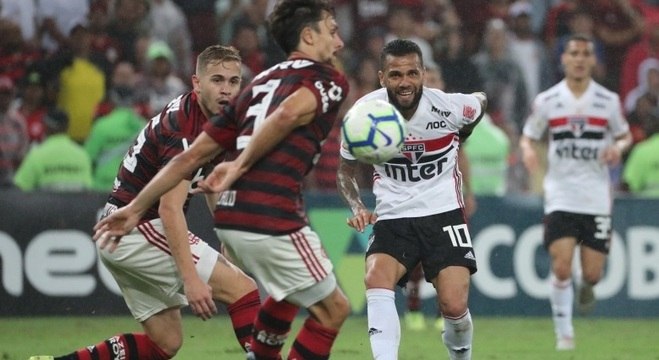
(593, 231)
(437, 241)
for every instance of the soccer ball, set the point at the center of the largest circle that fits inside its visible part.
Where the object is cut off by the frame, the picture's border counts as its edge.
(373, 131)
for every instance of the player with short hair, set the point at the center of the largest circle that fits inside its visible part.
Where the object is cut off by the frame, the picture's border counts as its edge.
(419, 214)
(587, 133)
(277, 124)
(160, 258)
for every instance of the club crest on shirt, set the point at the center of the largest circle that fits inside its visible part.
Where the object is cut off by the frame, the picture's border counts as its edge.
(413, 151)
(577, 125)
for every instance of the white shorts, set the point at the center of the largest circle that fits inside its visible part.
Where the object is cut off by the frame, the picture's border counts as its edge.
(146, 272)
(283, 264)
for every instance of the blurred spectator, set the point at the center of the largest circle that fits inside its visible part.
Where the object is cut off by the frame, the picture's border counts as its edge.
(401, 25)
(488, 150)
(580, 21)
(111, 135)
(202, 22)
(503, 80)
(460, 73)
(556, 22)
(641, 170)
(14, 141)
(618, 24)
(371, 44)
(540, 10)
(246, 40)
(81, 85)
(159, 81)
(23, 13)
(528, 51)
(365, 77)
(368, 14)
(57, 164)
(125, 76)
(32, 105)
(127, 25)
(254, 12)
(648, 47)
(648, 82)
(474, 14)
(104, 49)
(645, 109)
(15, 56)
(227, 11)
(56, 19)
(168, 23)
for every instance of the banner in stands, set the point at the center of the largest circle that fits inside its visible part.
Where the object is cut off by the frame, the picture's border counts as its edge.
(49, 265)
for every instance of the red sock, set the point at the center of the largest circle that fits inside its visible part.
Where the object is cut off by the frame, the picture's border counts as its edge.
(124, 346)
(271, 328)
(243, 313)
(313, 342)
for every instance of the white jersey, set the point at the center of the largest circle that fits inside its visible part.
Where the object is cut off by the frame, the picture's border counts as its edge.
(424, 178)
(577, 179)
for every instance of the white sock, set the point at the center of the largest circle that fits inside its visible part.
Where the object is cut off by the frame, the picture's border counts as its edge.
(561, 297)
(458, 335)
(383, 324)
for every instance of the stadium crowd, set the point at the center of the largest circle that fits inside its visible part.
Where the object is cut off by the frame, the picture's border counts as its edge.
(103, 67)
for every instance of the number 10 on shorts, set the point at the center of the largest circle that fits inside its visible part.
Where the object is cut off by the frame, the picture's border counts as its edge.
(459, 235)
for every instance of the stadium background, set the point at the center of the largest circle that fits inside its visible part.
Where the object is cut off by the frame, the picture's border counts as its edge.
(48, 263)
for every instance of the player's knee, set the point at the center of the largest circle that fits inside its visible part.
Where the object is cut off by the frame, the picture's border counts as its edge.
(377, 279)
(171, 345)
(340, 310)
(453, 309)
(562, 270)
(592, 277)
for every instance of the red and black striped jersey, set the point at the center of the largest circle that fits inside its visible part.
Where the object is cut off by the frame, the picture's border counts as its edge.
(268, 198)
(163, 137)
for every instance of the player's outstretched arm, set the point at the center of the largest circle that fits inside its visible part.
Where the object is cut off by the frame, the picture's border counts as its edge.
(348, 188)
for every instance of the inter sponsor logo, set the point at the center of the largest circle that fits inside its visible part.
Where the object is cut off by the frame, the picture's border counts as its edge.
(572, 151)
(426, 168)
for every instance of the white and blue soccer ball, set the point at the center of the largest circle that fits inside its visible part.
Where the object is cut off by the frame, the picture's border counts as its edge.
(373, 131)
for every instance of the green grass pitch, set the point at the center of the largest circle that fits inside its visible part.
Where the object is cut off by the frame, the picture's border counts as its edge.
(495, 338)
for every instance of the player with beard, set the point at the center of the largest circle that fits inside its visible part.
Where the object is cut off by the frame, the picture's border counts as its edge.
(160, 258)
(419, 215)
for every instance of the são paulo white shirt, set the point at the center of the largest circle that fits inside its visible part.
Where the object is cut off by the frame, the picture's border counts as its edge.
(424, 178)
(577, 179)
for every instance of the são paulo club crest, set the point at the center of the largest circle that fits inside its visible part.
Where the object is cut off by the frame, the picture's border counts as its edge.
(577, 125)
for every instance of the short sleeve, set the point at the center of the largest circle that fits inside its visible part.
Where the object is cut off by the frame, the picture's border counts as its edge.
(536, 123)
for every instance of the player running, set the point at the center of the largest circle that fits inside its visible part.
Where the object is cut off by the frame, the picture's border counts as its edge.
(587, 133)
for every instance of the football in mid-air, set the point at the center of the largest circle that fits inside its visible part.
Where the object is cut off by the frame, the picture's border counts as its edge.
(373, 131)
